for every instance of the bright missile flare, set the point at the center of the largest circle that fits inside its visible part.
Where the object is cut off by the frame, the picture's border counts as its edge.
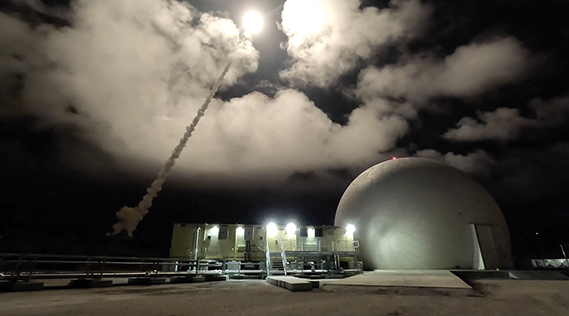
(253, 22)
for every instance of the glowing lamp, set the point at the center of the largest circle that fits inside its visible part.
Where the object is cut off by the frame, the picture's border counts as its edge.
(350, 229)
(272, 230)
(290, 229)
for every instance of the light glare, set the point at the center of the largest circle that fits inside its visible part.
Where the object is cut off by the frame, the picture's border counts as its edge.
(291, 229)
(240, 231)
(215, 230)
(350, 229)
(253, 22)
(272, 230)
(303, 19)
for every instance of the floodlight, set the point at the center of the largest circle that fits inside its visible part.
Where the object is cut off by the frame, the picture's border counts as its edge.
(350, 229)
(291, 229)
(272, 230)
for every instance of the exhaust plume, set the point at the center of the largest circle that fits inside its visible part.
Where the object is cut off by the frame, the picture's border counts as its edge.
(129, 217)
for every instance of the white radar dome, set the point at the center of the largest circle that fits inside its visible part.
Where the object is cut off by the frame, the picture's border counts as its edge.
(417, 213)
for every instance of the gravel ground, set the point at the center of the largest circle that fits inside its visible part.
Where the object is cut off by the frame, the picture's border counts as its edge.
(255, 297)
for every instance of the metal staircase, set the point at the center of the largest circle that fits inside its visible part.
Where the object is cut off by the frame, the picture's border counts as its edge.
(276, 262)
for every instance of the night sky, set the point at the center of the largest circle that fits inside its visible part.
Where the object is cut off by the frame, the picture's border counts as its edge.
(95, 94)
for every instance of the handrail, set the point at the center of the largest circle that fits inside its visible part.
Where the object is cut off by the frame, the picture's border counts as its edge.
(15, 254)
(267, 257)
(24, 266)
(283, 256)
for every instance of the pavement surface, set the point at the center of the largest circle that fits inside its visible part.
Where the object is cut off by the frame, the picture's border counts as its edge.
(406, 278)
(258, 297)
(404, 282)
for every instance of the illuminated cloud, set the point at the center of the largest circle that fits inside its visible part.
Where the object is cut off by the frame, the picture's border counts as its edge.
(470, 70)
(256, 134)
(129, 76)
(326, 38)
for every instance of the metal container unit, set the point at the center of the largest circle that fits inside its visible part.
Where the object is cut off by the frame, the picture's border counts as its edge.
(217, 241)
(230, 241)
(266, 249)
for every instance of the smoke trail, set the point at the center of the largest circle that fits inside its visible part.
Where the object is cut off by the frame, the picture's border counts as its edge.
(129, 217)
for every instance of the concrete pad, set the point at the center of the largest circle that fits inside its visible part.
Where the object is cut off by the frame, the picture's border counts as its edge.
(404, 282)
(410, 278)
(120, 281)
(290, 283)
(538, 275)
(90, 283)
(54, 283)
(146, 281)
(402, 290)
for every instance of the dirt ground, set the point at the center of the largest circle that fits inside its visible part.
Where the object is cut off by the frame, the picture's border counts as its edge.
(500, 297)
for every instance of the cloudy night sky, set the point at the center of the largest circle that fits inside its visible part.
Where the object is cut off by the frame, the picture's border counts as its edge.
(95, 94)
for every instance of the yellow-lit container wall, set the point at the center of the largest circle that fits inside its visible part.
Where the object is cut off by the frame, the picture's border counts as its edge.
(289, 241)
(239, 248)
(233, 247)
(258, 244)
(337, 239)
(216, 248)
(274, 240)
(182, 245)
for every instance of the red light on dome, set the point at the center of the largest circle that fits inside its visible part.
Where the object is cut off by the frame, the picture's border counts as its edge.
(393, 158)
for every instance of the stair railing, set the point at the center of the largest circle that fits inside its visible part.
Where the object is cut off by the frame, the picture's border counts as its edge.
(283, 256)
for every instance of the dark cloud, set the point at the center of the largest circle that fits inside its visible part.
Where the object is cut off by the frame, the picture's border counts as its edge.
(532, 174)
(553, 112)
(477, 163)
(503, 124)
(506, 124)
